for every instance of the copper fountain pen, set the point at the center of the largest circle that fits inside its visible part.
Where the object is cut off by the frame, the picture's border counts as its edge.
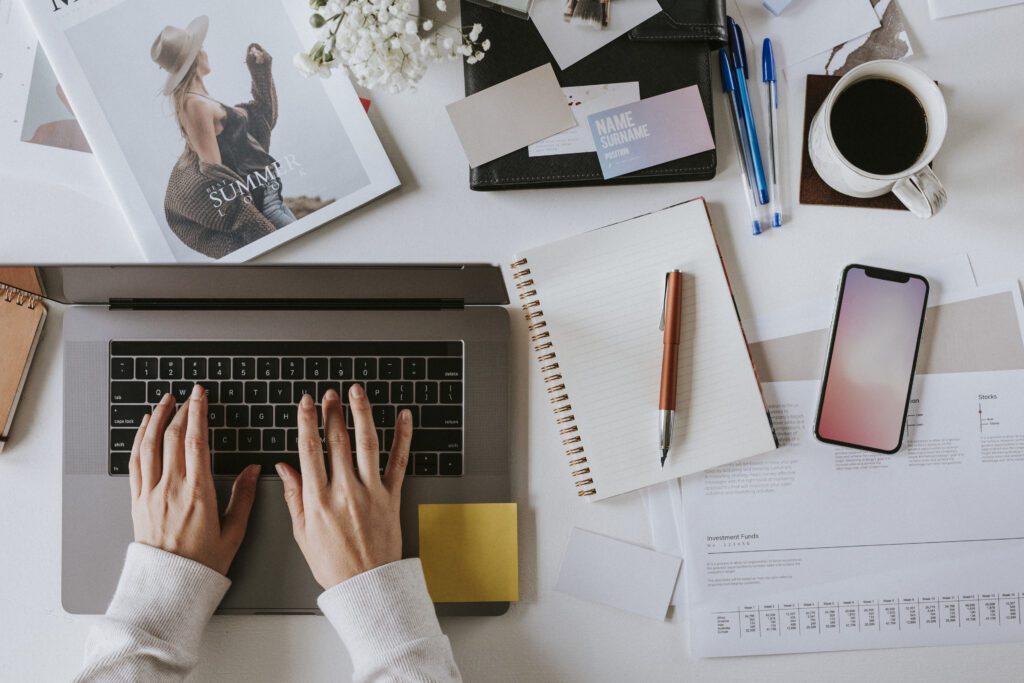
(671, 319)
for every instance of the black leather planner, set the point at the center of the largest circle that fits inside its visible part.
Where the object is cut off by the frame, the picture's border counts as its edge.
(671, 50)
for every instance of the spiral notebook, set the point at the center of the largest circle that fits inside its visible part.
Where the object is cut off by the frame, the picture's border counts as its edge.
(593, 306)
(21, 320)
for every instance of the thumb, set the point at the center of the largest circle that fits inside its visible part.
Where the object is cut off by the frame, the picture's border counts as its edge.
(236, 516)
(292, 495)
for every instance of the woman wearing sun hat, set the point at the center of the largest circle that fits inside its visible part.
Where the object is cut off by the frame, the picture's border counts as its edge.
(223, 192)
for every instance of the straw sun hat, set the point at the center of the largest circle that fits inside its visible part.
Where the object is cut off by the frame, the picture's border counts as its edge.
(176, 49)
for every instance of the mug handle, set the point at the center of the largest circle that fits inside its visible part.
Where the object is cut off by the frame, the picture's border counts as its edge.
(922, 193)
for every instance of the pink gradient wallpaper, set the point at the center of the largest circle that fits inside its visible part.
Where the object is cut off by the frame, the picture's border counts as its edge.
(872, 360)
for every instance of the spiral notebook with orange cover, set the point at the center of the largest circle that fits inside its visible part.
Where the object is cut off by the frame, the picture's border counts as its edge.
(593, 305)
(21, 320)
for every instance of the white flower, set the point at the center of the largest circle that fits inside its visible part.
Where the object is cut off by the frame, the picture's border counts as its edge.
(486, 45)
(442, 5)
(309, 67)
(474, 33)
(427, 25)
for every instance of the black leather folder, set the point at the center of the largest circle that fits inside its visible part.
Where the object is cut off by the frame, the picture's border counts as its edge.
(671, 50)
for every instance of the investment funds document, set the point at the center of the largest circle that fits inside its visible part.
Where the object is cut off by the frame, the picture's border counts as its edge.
(814, 547)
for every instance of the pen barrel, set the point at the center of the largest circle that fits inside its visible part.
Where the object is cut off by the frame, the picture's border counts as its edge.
(669, 371)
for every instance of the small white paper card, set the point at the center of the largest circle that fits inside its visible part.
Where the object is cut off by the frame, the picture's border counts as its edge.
(619, 574)
(584, 100)
(569, 43)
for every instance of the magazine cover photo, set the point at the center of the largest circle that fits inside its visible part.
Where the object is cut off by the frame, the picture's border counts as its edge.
(227, 141)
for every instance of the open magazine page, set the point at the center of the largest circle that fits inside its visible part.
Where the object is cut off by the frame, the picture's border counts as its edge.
(40, 139)
(216, 146)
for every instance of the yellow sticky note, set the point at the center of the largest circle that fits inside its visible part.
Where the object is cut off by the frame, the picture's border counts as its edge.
(470, 553)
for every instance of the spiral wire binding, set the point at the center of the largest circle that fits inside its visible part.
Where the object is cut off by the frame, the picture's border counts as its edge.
(18, 297)
(543, 347)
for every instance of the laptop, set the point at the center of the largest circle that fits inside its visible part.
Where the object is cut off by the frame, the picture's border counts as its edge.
(431, 338)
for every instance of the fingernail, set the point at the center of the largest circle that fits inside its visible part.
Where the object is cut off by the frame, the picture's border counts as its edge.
(331, 394)
(197, 392)
(356, 391)
(307, 401)
(405, 416)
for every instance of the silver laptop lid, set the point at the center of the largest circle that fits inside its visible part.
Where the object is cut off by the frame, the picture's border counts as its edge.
(292, 286)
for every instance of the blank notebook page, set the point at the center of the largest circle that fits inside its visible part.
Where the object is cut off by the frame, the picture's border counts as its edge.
(601, 296)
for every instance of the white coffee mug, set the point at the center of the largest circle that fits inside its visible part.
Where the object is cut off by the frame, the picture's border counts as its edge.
(917, 187)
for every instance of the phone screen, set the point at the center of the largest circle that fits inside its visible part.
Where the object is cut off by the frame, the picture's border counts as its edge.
(870, 367)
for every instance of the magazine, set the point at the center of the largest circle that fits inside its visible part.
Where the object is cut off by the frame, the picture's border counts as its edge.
(40, 140)
(216, 146)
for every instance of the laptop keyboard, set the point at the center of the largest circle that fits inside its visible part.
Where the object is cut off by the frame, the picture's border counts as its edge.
(254, 389)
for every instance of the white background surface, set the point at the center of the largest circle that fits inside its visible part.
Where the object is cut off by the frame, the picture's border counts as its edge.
(434, 217)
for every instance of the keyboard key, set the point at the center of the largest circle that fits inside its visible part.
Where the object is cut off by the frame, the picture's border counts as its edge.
(441, 416)
(215, 416)
(414, 368)
(122, 368)
(415, 410)
(291, 368)
(212, 391)
(366, 368)
(127, 416)
(316, 368)
(384, 416)
(156, 390)
(225, 439)
(293, 441)
(243, 368)
(220, 368)
(409, 466)
(261, 416)
(377, 392)
(401, 392)
(234, 463)
(249, 440)
(119, 463)
(284, 416)
(437, 440)
(390, 368)
(450, 464)
(345, 386)
(122, 439)
(426, 464)
(444, 368)
(268, 368)
(170, 368)
(300, 389)
(231, 392)
(146, 368)
(341, 368)
(280, 392)
(273, 439)
(195, 368)
(426, 392)
(255, 392)
(386, 439)
(323, 387)
(451, 392)
(236, 416)
(181, 390)
(127, 392)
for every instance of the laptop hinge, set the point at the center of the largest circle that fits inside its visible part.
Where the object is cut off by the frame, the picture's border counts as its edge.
(285, 304)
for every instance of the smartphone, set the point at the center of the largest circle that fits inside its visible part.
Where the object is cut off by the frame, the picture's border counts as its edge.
(869, 369)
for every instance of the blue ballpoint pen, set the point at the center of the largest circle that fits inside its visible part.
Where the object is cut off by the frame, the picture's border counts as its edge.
(770, 80)
(738, 51)
(729, 86)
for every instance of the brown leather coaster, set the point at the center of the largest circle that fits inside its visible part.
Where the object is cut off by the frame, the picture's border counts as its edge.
(814, 190)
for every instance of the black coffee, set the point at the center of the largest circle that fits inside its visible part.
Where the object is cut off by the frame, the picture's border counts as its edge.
(879, 126)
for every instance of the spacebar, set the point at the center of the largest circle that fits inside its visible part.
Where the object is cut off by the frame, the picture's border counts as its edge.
(234, 463)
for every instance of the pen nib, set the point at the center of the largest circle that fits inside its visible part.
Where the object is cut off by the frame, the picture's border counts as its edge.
(664, 454)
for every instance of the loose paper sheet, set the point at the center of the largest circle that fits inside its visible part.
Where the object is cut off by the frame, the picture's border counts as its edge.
(569, 43)
(941, 9)
(470, 553)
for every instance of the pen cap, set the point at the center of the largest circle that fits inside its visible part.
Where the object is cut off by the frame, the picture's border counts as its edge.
(767, 61)
(737, 47)
(728, 78)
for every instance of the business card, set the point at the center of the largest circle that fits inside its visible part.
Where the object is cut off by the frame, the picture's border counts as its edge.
(649, 132)
(584, 100)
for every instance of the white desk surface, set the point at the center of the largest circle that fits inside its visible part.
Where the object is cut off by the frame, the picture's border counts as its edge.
(434, 217)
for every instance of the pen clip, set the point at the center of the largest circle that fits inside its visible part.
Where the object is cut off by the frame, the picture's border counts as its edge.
(664, 304)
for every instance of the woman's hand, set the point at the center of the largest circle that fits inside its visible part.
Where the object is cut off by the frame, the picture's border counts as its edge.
(174, 504)
(346, 524)
(257, 55)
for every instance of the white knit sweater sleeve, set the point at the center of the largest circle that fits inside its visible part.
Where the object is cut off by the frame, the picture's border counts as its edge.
(153, 626)
(387, 622)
